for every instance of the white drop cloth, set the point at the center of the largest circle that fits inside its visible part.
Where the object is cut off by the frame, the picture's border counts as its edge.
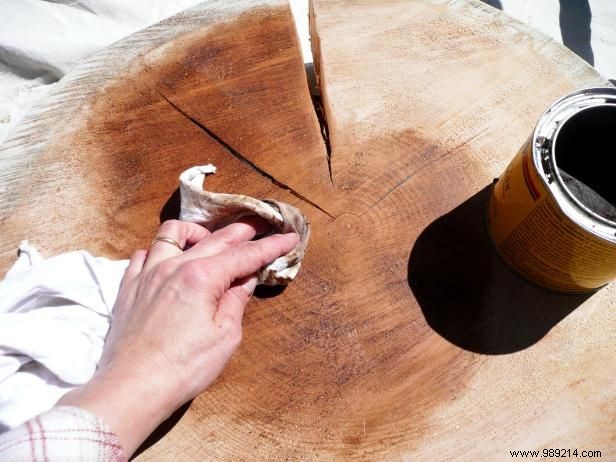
(54, 315)
(41, 41)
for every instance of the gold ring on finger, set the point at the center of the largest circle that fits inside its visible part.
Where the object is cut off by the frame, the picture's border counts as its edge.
(168, 240)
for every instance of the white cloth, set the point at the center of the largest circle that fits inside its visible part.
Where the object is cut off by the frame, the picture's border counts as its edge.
(215, 210)
(54, 316)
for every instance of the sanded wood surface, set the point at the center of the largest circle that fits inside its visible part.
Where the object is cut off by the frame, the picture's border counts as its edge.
(404, 337)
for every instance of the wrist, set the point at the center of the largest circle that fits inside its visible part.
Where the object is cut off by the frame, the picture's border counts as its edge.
(130, 406)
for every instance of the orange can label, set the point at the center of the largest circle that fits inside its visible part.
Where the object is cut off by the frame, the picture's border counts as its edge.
(532, 234)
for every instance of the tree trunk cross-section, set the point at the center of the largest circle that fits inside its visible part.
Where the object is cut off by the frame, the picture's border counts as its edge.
(404, 336)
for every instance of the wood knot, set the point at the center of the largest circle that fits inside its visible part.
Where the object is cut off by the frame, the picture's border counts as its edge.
(350, 224)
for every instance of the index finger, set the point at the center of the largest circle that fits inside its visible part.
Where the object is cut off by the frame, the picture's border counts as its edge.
(249, 257)
(245, 229)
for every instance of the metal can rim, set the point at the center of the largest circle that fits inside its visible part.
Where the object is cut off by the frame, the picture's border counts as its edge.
(544, 160)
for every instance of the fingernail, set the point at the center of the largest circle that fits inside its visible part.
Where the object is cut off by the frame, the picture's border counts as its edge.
(292, 236)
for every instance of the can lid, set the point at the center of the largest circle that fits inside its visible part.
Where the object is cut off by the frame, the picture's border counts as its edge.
(545, 157)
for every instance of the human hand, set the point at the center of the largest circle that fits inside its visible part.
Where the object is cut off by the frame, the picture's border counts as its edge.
(177, 321)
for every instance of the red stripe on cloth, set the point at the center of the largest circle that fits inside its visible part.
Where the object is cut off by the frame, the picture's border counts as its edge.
(77, 430)
(19, 439)
(43, 439)
(31, 439)
(93, 440)
(49, 438)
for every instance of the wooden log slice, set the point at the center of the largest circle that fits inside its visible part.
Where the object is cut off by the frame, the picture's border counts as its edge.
(405, 337)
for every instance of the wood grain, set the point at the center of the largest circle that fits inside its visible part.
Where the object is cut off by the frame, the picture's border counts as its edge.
(122, 134)
(404, 336)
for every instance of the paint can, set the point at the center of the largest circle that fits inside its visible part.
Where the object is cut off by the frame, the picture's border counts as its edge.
(552, 214)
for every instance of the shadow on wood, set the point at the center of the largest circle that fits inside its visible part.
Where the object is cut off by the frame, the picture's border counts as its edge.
(171, 209)
(162, 429)
(469, 296)
(268, 291)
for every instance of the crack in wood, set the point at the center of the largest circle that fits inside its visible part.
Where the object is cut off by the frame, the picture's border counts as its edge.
(320, 111)
(241, 157)
(420, 169)
(314, 82)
